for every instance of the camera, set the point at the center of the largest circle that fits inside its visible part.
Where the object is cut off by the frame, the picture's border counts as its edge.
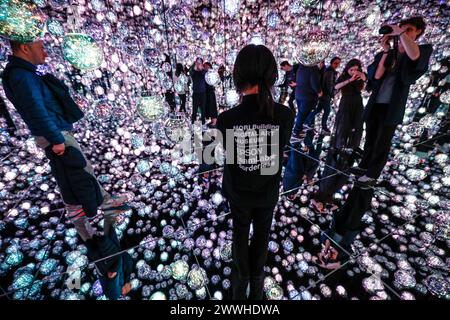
(385, 30)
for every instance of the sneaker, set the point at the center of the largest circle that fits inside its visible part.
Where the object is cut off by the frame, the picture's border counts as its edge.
(115, 202)
(366, 182)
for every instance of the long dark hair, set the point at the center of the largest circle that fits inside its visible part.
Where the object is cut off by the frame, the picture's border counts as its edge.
(256, 65)
(179, 69)
(353, 62)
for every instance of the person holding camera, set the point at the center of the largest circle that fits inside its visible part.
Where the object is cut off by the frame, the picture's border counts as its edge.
(391, 74)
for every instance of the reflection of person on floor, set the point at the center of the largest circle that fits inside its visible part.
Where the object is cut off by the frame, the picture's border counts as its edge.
(302, 165)
(251, 184)
(114, 273)
(390, 76)
(46, 107)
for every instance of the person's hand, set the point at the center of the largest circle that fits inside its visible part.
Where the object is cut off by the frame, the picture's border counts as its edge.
(354, 77)
(59, 149)
(112, 275)
(320, 93)
(385, 43)
(292, 84)
(362, 76)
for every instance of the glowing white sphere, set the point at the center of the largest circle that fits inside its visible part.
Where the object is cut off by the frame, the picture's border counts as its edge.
(314, 49)
(150, 108)
(81, 51)
(212, 77)
(231, 7)
(231, 98)
(257, 40)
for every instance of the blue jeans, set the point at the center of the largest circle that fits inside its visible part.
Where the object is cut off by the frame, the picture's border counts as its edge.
(325, 105)
(304, 109)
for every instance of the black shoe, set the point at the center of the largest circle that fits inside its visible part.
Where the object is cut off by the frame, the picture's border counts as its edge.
(357, 171)
(256, 289)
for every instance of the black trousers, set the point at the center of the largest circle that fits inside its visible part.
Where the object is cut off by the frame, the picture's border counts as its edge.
(183, 102)
(4, 113)
(378, 141)
(291, 101)
(249, 260)
(347, 224)
(198, 102)
(170, 98)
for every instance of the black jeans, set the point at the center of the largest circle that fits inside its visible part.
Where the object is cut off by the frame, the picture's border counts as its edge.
(182, 102)
(249, 260)
(4, 113)
(378, 141)
(170, 98)
(198, 101)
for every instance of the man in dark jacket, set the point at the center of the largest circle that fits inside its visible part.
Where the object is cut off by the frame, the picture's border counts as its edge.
(390, 76)
(288, 82)
(307, 92)
(327, 85)
(49, 112)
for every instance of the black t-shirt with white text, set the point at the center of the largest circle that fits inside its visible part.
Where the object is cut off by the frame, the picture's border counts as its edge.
(254, 144)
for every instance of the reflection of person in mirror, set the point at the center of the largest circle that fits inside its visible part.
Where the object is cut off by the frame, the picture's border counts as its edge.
(389, 77)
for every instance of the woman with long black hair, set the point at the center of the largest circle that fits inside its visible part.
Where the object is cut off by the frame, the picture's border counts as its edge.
(348, 125)
(347, 134)
(254, 135)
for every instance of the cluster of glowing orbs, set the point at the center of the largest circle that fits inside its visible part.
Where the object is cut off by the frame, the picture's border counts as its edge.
(150, 108)
(55, 27)
(81, 51)
(20, 21)
(257, 40)
(314, 49)
(197, 278)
